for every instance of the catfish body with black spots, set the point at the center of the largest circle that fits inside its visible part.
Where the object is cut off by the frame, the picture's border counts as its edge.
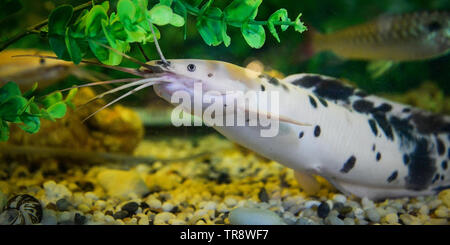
(363, 144)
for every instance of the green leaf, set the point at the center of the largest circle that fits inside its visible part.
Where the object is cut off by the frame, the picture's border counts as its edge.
(211, 29)
(9, 110)
(94, 21)
(44, 114)
(279, 15)
(299, 26)
(57, 110)
(4, 130)
(206, 7)
(57, 23)
(166, 2)
(34, 109)
(226, 39)
(30, 91)
(26, 107)
(177, 20)
(31, 124)
(160, 14)
(254, 35)
(105, 5)
(126, 11)
(52, 99)
(72, 48)
(9, 90)
(71, 95)
(111, 58)
(180, 9)
(240, 11)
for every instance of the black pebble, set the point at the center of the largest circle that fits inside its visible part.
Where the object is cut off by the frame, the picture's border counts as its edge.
(85, 185)
(79, 219)
(224, 178)
(345, 210)
(121, 214)
(63, 204)
(263, 196)
(444, 165)
(323, 210)
(317, 131)
(131, 207)
(144, 205)
(440, 147)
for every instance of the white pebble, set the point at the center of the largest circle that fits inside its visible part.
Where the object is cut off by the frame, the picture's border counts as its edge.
(100, 204)
(143, 220)
(442, 212)
(434, 204)
(391, 218)
(339, 198)
(154, 203)
(167, 206)
(210, 206)
(230, 202)
(91, 195)
(308, 213)
(99, 216)
(109, 219)
(310, 204)
(177, 222)
(373, 215)
(49, 217)
(367, 203)
(333, 220)
(349, 221)
(222, 207)
(163, 218)
(424, 210)
(254, 216)
(362, 222)
(65, 216)
(54, 192)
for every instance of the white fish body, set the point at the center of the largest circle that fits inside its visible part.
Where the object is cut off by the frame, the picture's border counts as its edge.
(364, 145)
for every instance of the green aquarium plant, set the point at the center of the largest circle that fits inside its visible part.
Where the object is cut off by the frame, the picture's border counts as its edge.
(95, 28)
(74, 33)
(26, 111)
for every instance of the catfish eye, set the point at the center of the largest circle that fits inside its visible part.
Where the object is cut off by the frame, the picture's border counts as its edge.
(191, 67)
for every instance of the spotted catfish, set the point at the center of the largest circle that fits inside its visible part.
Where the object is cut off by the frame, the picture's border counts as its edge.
(363, 144)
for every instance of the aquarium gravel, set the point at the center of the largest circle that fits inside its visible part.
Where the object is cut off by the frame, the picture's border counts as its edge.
(231, 186)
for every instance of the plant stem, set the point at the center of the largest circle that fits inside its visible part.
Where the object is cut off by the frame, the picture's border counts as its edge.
(34, 29)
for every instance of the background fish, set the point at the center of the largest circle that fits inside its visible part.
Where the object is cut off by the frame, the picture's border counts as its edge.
(26, 71)
(413, 36)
